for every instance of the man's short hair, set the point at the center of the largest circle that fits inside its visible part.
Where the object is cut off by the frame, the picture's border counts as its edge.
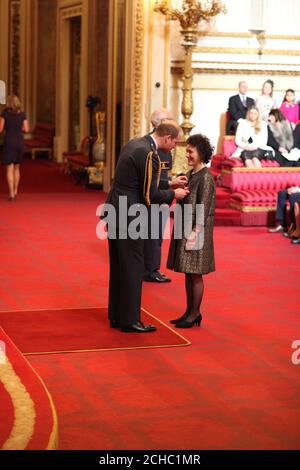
(168, 128)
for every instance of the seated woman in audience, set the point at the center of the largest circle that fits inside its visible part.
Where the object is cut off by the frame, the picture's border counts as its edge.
(280, 136)
(265, 102)
(251, 140)
(289, 108)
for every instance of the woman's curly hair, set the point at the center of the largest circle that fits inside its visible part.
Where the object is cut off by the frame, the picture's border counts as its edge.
(203, 146)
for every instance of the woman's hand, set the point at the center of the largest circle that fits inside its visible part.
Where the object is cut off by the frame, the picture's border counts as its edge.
(293, 189)
(180, 193)
(191, 241)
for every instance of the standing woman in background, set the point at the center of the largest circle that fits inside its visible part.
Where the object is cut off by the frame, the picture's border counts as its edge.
(13, 122)
(265, 102)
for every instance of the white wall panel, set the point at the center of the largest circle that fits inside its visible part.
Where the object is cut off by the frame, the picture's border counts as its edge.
(229, 54)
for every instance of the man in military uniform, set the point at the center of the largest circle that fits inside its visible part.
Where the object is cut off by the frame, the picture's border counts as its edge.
(136, 177)
(153, 245)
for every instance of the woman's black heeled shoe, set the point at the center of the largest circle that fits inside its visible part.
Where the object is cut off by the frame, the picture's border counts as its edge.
(177, 320)
(189, 324)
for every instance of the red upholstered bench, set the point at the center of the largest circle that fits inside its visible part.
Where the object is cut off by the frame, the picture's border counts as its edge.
(267, 178)
(77, 161)
(254, 190)
(257, 206)
(41, 140)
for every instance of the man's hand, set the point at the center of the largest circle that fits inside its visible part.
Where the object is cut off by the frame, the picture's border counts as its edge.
(180, 193)
(179, 182)
(293, 189)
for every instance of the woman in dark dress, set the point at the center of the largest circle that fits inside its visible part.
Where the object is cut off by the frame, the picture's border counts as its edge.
(13, 122)
(193, 255)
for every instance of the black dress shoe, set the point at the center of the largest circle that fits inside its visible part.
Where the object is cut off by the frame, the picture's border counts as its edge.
(114, 324)
(156, 276)
(138, 327)
(295, 241)
(177, 320)
(189, 324)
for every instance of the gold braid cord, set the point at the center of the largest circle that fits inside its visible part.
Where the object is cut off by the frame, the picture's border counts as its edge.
(24, 409)
(148, 176)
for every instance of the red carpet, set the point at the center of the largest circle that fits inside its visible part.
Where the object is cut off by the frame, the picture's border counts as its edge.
(235, 387)
(80, 330)
(28, 417)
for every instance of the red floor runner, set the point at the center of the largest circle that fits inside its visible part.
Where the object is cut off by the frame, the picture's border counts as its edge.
(78, 330)
(234, 388)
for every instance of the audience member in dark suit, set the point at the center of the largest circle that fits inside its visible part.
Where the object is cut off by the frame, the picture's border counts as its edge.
(296, 234)
(237, 107)
(153, 245)
(293, 195)
(136, 178)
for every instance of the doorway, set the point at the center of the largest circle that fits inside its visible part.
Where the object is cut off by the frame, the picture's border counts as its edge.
(74, 82)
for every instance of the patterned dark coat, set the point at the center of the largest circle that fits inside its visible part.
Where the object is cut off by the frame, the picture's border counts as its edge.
(202, 261)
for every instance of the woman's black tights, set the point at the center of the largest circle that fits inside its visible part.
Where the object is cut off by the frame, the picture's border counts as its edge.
(194, 288)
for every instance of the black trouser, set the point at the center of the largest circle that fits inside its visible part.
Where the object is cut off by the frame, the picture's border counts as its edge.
(126, 258)
(284, 162)
(231, 127)
(153, 246)
(282, 198)
(152, 255)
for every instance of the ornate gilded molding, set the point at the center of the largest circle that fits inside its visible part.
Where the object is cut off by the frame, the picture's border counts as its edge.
(138, 68)
(235, 71)
(15, 47)
(180, 164)
(244, 50)
(70, 12)
(218, 62)
(219, 34)
(252, 208)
